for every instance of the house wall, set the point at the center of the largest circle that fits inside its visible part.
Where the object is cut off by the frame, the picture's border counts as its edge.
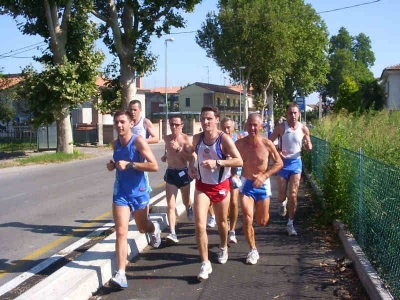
(196, 95)
(392, 90)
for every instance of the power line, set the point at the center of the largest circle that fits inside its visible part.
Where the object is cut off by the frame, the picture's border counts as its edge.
(20, 49)
(318, 13)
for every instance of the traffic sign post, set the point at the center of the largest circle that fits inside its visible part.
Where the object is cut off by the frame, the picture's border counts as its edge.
(301, 102)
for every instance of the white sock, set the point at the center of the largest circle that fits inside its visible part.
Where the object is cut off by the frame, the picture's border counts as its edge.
(284, 202)
(290, 222)
(121, 272)
(173, 231)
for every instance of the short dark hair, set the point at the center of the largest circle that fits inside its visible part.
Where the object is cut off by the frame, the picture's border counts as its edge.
(291, 105)
(175, 116)
(123, 112)
(211, 108)
(135, 102)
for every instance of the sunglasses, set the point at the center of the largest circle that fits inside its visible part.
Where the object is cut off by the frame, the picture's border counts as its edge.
(174, 125)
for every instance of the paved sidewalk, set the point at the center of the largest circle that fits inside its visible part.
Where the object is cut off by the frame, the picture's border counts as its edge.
(297, 267)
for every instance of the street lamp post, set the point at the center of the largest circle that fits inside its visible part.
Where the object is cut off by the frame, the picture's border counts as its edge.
(240, 97)
(166, 81)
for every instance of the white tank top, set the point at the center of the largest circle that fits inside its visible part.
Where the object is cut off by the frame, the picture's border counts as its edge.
(291, 141)
(214, 151)
(140, 128)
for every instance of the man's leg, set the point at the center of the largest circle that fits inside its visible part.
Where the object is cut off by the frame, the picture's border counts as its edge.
(171, 193)
(221, 215)
(248, 215)
(294, 183)
(185, 192)
(121, 216)
(282, 187)
(233, 209)
(201, 204)
(262, 212)
(144, 225)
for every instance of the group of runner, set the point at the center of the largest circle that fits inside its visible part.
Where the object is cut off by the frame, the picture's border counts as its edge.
(227, 168)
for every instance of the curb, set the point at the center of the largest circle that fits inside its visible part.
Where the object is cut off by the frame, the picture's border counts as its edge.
(80, 278)
(368, 276)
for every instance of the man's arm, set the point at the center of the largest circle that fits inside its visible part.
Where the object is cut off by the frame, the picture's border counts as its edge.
(276, 133)
(191, 154)
(153, 139)
(229, 148)
(150, 164)
(278, 164)
(111, 164)
(306, 138)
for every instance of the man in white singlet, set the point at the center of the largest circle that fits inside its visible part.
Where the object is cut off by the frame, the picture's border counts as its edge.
(216, 154)
(292, 135)
(143, 127)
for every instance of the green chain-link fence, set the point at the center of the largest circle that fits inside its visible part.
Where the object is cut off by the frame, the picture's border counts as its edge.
(365, 194)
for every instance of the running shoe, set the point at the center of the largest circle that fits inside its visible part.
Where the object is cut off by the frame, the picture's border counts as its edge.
(232, 237)
(211, 222)
(205, 270)
(252, 257)
(173, 238)
(282, 208)
(155, 237)
(119, 280)
(223, 255)
(189, 213)
(290, 229)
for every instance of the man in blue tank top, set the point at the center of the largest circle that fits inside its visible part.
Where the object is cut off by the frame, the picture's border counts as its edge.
(132, 157)
(292, 136)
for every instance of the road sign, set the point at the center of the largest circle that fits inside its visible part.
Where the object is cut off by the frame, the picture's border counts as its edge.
(301, 102)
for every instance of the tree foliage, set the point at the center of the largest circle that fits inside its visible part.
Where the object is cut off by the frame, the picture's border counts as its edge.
(349, 57)
(126, 30)
(279, 42)
(71, 63)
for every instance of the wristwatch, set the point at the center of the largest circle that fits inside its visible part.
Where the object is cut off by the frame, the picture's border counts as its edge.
(218, 163)
(131, 165)
(178, 149)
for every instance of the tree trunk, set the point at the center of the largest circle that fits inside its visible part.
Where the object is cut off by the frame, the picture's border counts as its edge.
(64, 134)
(128, 85)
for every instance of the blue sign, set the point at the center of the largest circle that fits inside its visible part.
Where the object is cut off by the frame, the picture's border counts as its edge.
(301, 102)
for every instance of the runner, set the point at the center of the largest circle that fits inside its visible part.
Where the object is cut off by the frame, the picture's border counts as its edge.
(255, 191)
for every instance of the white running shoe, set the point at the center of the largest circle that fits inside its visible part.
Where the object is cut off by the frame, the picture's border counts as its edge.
(232, 237)
(211, 222)
(223, 255)
(155, 237)
(119, 280)
(290, 229)
(252, 257)
(282, 208)
(173, 238)
(205, 270)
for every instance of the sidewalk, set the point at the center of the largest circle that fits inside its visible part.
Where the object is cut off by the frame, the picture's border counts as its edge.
(299, 267)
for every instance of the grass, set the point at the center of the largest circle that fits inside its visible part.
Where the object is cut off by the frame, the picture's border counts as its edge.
(46, 158)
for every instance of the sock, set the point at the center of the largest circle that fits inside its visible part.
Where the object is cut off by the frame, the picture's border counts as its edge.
(290, 222)
(121, 272)
(173, 231)
(284, 202)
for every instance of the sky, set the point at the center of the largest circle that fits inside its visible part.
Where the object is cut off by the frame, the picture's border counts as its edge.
(188, 63)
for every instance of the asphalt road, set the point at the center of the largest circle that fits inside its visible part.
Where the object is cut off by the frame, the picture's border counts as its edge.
(45, 208)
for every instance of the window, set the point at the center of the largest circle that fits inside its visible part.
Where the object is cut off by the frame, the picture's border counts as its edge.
(218, 101)
(228, 102)
(187, 100)
(234, 102)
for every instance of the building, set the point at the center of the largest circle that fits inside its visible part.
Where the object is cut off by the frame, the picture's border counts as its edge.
(229, 100)
(391, 78)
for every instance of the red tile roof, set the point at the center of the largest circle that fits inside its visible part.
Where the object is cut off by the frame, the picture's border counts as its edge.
(394, 67)
(170, 90)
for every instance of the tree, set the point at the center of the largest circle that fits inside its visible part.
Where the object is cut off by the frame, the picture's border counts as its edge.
(349, 57)
(281, 43)
(71, 63)
(126, 30)
(349, 97)
(7, 111)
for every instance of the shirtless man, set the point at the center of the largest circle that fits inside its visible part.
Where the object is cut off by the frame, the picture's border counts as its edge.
(256, 151)
(228, 126)
(216, 154)
(292, 135)
(176, 175)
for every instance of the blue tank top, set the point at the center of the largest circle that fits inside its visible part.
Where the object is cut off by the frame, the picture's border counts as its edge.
(129, 182)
